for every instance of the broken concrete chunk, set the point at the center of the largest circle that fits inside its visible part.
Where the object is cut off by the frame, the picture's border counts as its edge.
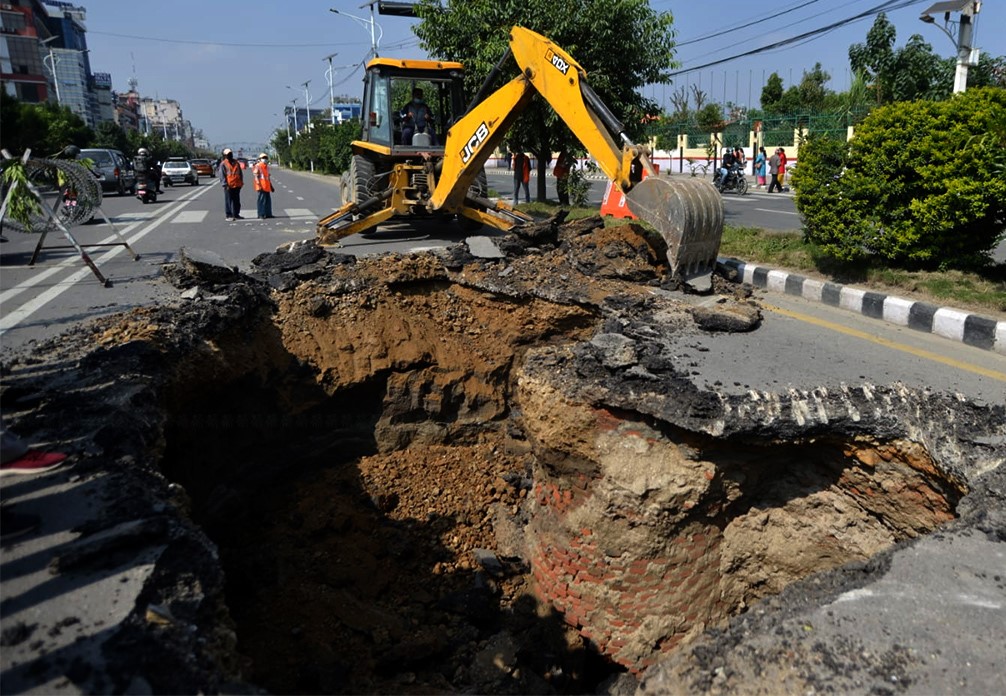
(617, 351)
(483, 247)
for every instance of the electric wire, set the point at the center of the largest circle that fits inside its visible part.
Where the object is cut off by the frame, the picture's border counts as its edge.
(744, 25)
(889, 5)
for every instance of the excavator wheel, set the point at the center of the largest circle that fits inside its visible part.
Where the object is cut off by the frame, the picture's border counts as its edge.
(478, 189)
(361, 178)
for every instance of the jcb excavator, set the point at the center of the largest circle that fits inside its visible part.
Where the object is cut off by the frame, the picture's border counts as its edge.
(390, 178)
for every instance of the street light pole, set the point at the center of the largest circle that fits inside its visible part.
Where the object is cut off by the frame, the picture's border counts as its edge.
(374, 40)
(965, 31)
(330, 74)
(52, 67)
(307, 105)
(296, 126)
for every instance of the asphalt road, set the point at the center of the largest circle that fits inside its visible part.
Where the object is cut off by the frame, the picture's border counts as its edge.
(816, 343)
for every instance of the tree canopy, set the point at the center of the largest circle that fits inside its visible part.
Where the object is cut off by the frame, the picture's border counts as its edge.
(602, 35)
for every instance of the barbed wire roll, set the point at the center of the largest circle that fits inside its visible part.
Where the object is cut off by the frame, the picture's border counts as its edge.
(75, 185)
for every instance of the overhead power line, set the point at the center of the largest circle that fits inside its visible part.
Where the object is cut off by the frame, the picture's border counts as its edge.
(225, 43)
(744, 25)
(889, 5)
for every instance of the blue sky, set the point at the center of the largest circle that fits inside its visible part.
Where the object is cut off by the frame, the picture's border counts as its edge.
(233, 66)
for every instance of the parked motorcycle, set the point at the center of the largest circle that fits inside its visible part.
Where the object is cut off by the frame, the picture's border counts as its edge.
(145, 192)
(735, 182)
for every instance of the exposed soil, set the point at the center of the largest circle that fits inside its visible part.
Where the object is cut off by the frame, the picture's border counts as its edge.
(347, 434)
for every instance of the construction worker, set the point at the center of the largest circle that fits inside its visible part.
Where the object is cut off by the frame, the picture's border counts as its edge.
(263, 184)
(232, 179)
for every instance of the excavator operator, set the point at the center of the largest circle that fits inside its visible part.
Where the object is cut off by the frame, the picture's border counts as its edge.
(416, 118)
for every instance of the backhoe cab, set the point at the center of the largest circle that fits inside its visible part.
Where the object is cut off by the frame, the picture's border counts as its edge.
(400, 169)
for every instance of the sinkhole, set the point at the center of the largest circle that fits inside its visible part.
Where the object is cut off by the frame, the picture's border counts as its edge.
(425, 476)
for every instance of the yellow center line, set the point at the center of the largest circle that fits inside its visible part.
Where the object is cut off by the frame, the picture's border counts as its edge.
(985, 372)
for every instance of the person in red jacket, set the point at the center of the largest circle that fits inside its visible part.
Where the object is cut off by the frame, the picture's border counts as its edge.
(263, 184)
(521, 176)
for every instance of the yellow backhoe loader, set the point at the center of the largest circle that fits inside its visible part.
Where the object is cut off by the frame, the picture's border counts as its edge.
(400, 168)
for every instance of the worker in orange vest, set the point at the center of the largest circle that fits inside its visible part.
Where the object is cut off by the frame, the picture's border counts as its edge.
(263, 184)
(232, 179)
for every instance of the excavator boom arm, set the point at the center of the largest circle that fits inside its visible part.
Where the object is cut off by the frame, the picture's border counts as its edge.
(551, 72)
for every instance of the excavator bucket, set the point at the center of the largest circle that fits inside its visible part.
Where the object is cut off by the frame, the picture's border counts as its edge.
(688, 213)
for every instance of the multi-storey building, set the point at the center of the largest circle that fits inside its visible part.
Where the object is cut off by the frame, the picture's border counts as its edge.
(22, 31)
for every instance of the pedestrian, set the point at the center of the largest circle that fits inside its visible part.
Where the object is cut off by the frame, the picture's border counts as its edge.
(561, 172)
(761, 160)
(521, 176)
(232, 179)
(263, 184)
(773, 170)
(782, 170)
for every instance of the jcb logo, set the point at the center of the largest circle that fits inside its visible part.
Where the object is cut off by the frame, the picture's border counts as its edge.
(560, 65)
(475, 142)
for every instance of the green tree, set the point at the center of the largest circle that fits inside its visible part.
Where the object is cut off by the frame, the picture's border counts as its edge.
(476, 33)
(916, 186)
(110, 134)
(710, 118)
(45, 128)
(812, 90)
(771, 93)
(875, 59)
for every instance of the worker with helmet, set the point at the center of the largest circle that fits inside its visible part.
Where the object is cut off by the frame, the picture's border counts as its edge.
(232, 179)
(263, 184)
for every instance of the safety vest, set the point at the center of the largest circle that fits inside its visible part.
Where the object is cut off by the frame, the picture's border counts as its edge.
(262, 181)
(232, 170)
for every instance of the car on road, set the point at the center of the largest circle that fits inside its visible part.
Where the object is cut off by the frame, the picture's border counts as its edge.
(112, 168)
(179, 171)
(203, 167)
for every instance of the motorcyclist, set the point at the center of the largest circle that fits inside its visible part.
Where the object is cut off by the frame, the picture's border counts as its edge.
(726, 164)
(146, 169)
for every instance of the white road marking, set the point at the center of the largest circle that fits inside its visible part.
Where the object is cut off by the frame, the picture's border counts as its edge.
(13, 318)
(298, 212)
(300, 198)
(191, 216)
(133, 217)
(781, 212)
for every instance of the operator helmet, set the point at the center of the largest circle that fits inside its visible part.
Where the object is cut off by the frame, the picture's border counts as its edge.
(142, 151)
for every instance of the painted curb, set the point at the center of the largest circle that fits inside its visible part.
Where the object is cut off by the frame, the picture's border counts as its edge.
(954, 324)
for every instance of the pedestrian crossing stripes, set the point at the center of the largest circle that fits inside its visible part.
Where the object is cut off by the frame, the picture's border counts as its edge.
(190, 216)
(126, 218)
(298, 213)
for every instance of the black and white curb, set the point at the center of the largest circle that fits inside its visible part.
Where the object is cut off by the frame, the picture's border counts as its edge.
(971, 329)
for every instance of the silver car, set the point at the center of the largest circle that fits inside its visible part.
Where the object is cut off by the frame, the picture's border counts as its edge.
(179, 171)
(113, 170)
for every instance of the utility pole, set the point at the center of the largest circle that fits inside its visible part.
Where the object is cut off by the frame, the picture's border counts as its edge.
(307, 105)
(966, 54)
(330, 75)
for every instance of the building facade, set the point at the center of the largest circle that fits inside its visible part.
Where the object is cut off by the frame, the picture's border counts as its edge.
(22, 30)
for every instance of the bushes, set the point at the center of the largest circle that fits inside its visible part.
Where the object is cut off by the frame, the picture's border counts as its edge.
(917, 186)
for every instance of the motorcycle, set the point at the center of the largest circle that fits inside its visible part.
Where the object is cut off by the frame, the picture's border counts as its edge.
(145, 192)
(734, 181)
